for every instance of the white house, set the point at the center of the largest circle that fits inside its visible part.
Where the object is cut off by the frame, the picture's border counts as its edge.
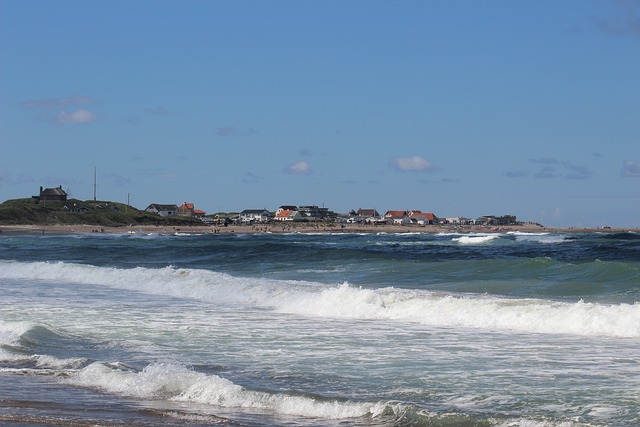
(403, 220)
(288, 215)
(162, 210)
(286, 208)
(254, 215)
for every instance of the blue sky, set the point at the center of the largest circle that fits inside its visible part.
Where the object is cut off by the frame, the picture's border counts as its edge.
(460, 108)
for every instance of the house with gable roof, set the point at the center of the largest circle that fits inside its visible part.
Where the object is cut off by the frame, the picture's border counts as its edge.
(287, 215)
(162, 209)
(397, 217)
(254, 215)
(367, 215)
(51, 194)
(423, 218)
(188, 209)
(285, 208)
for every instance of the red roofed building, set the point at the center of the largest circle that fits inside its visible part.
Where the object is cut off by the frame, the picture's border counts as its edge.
(287, 215)
(395, 214)
(397, 217)
(188, 209)
(423, 218)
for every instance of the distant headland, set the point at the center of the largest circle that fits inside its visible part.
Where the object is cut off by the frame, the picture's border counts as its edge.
(51, 211)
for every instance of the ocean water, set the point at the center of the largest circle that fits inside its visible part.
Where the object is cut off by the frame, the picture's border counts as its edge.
(412, 329)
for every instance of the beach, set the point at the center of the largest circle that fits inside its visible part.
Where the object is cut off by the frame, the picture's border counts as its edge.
(298, 228)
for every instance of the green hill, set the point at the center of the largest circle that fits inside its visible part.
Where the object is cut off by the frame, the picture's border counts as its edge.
(71, 212)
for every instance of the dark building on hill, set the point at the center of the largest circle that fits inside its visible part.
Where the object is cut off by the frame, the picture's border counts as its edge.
(496, 220)
(51, 194)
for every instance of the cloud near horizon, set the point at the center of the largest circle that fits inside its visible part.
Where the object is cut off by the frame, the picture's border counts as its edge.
(577, 172)
(299, 168)
(554, 168)
(630, 169)
(76, 117)
(547, 172)
(407, 164)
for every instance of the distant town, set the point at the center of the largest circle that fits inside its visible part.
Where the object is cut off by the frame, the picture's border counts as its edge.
(293, 213)
(310, 213)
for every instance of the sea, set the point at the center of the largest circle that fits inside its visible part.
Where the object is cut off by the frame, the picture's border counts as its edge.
(326, 329)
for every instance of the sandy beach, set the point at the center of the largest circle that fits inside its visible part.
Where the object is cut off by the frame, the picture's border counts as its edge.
(293, 228)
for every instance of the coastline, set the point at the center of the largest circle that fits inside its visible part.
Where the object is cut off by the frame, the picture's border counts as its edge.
(295, 228)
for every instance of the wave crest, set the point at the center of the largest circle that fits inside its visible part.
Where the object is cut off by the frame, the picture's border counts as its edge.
(179, 383)
(436, 309)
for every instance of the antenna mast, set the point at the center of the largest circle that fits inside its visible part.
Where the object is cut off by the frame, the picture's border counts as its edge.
(94, 184)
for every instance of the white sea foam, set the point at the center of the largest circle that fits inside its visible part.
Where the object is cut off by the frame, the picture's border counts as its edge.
(10, 332)
(348, 302)
(528, 315)
(535, 423)
(545, 238)
(178, 383)
(50, 362)
(146, 236)
(43, 362)
(476, 239)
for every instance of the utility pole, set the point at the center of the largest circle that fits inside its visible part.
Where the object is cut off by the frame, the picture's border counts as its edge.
(94, 184)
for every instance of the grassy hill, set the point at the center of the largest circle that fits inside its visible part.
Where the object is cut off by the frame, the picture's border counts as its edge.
(71, 212)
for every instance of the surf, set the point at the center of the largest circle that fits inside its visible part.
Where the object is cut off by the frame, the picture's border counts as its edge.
(344, 301)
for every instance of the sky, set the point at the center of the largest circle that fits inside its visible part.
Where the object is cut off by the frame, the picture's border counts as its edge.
(459, 108)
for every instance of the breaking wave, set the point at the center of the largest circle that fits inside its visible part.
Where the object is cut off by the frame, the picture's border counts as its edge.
(311, 299)
(179, 383)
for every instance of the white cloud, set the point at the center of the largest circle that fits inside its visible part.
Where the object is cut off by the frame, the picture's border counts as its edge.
(415, 163)
(79, 116)
(630, 169)
(299, 168)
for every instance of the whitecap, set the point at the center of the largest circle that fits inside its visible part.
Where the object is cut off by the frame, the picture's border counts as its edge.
(181, 384)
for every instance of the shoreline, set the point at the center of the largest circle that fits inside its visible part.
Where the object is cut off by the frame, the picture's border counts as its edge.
(289, 228)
